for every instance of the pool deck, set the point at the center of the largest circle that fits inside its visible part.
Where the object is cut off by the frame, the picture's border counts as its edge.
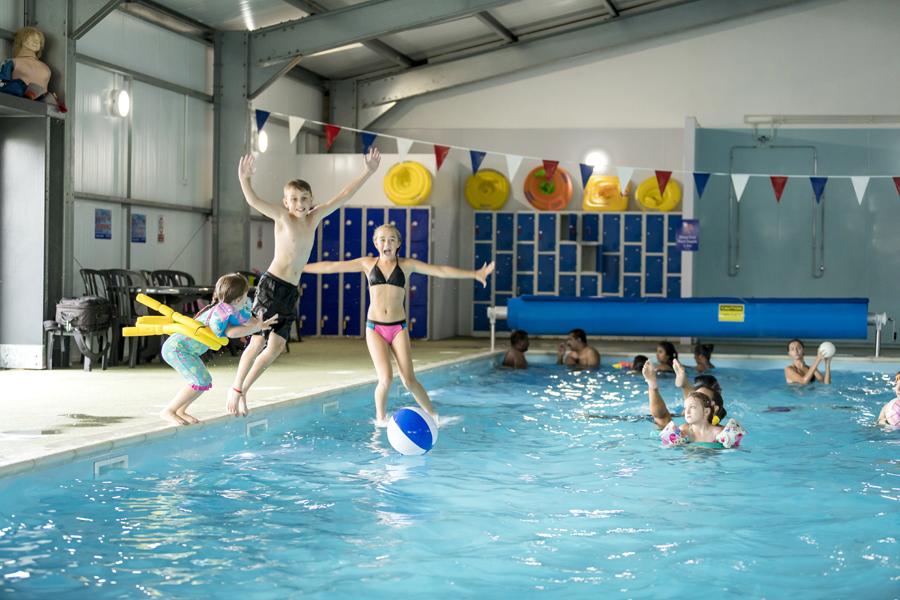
(50, 416)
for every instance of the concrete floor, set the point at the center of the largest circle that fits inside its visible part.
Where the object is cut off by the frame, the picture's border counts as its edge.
(51, 415)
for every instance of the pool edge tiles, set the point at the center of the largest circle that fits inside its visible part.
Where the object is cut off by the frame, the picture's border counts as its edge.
(115, 441)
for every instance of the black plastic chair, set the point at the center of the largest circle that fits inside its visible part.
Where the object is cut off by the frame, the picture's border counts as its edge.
(171, 278)
(251, 276)
(94, 282)
(118, 288)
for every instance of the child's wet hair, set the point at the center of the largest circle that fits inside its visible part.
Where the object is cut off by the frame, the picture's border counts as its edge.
(230, 287)
(704, 380)
(517, 336)
(704, 350)
(669, 349)
(390, 226)
(638, 362)
(299, 185)
(705, 401)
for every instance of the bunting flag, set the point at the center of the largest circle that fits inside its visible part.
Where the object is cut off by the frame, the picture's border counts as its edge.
(295, 124)
(818, 185)
(512, 165)
(860, 184)
(897, 183)
(403, 146)
(662, 178)
(477, 157)
(778, 183)
(331, 132)
(624, 174)
(700, 181)
(261, 117)
(440, 153)
(586, 172)
(740, 182)
(550, 168)
(368, 138)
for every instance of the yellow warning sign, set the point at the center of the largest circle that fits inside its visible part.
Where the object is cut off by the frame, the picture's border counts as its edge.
(733, 313)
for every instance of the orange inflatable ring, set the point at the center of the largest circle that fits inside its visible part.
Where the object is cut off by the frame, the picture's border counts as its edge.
(487, 190)
(602, 193)
(544, 194)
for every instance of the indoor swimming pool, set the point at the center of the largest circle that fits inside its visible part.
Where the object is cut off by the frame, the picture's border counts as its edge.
(544, 482)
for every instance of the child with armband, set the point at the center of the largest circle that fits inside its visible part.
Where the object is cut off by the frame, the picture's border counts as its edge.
(227, 316)
(890, 412)
(698, 414)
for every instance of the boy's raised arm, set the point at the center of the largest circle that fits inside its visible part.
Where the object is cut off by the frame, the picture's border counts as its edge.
(373, 158)
(245, 172)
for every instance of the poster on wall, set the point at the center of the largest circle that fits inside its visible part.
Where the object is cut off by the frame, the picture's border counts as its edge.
(687, 238)
(138, 228)
(102, 224)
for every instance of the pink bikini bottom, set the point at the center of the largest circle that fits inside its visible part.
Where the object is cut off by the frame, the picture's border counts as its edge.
(388, 331)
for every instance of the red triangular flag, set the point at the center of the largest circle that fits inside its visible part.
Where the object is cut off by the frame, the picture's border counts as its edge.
(897, 184)
(440, 153)
(550, 168)
(662, 179)
(331, 132)
(778, 183)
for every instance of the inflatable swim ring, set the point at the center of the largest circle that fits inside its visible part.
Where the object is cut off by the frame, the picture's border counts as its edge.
(648, 195)
(487, 190)
(407, 183)
(544, 194)
(603, 193)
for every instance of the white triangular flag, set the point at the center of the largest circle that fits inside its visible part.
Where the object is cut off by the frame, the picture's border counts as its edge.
(512, 165)
(740, 182)
(624, 174)
(403, 146)
(295, 124)
(860, 183)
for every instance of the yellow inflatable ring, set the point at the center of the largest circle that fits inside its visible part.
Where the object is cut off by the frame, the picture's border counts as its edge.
(648, 195)
(407, 183)
(544, 194)
(603, 193)
(487, 190)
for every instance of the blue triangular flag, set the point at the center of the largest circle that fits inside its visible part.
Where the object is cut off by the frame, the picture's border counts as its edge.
(818, 184)
(700, 181)
(477, 156)
(261, 117)
(586, 172)
(368, 138)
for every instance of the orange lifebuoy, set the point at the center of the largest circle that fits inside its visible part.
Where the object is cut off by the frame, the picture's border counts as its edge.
(552, 194)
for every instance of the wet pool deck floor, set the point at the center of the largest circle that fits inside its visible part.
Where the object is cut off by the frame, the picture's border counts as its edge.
(49, 415)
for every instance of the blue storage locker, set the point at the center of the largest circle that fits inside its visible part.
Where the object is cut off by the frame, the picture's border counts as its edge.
(611, 233)
(525, 227)
(352, 317)
(546, 273)
(484, 226)
(418, 290)
(631, 287)
(480, 321)
(546, 233)
(673, 287)
(571, 232)
(588, 286)
(331, 237)
(653, 242)
(632, 259)
(374, 220)
(568, 258)
(503, 273)
(633, 228)
(673, 260)
(568, 285)
(590, 228)
(419, 250)
(331, 293)
(610, 280)
(353, 230)
(419, 225)
(674, 226)
(418, 321)
(653, 275)
(524, 284)
(525, 257)
(398, 218)
(504, 231)
(501, 300)
(483, 254)
(309, 303)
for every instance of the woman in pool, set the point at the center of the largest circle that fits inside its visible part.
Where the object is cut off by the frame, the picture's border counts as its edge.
(702, 356)
(799, 372)
(665, 354)
(386, 331)
(890, 412)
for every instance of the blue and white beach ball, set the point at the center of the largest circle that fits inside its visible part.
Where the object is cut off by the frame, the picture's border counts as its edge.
(412, 431)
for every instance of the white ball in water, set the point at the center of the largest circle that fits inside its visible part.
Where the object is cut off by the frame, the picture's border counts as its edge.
(827, 349)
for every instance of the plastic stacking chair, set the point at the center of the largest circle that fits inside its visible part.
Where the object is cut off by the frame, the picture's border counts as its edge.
(94, 283)
(118, 288)
(171, 278)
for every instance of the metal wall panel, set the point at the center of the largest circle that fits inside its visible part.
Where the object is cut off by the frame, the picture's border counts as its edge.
(100, 139)
(12, 14)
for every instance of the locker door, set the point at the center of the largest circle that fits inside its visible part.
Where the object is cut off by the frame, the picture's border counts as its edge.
(331, 295)
(525, 227)
(546, 233)
(504, 231)
(398, 217)
(309, 303)
(374, 220)
(352, 282)
(546, 273)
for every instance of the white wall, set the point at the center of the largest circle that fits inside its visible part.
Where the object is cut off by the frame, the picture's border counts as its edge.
(12, 16)
(823, 58)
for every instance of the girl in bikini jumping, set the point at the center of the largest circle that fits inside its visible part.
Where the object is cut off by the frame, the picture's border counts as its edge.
(386, 331)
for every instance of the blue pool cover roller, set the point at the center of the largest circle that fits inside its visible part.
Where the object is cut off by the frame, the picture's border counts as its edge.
(832, 318)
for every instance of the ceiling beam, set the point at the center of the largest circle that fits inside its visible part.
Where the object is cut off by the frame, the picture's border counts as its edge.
(496, 26)
(610, 8)
(392, 54)
(590, 39)
(90, 12)
(353, 24)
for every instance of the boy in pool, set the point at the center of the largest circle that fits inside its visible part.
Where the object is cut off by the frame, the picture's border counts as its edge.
(799, 372)
(296, 219)
(515, 356)
(890, 412)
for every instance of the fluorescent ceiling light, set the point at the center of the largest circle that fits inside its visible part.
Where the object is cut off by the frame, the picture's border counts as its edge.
(338, 49)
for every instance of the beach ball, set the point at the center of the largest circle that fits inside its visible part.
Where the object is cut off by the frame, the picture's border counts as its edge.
(827, 349)
(412, 431)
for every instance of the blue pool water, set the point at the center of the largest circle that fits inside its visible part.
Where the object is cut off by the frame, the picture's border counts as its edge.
(524, 496)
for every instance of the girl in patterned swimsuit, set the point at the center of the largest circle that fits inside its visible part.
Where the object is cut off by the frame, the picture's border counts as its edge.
(227, 316)
(386, 331)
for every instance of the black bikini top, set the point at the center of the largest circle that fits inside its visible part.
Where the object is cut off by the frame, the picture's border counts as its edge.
(376, 277)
